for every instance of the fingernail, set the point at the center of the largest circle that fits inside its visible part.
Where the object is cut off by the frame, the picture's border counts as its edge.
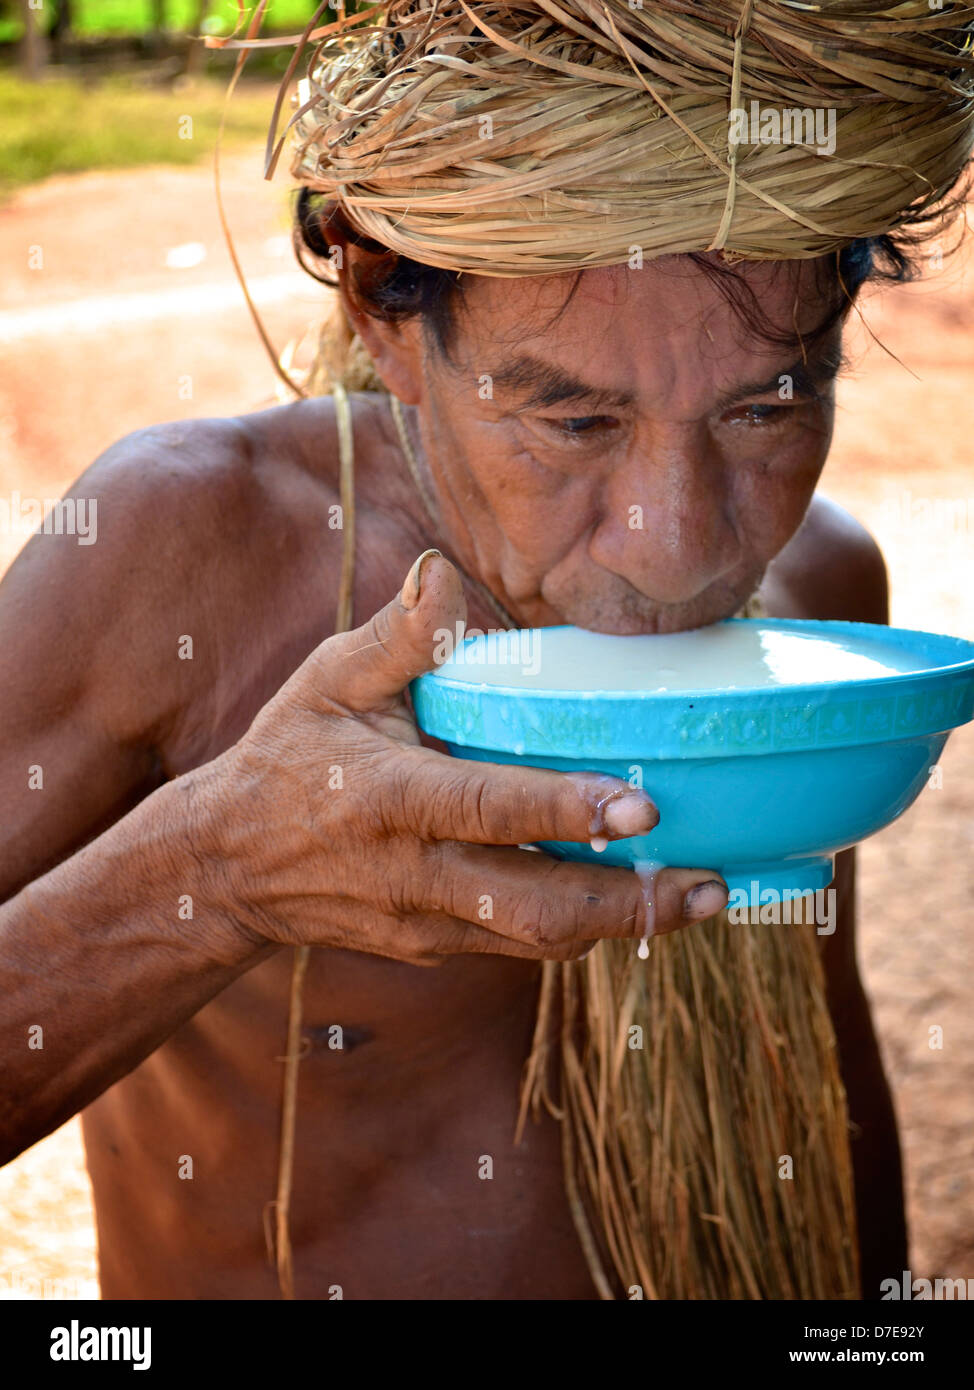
(410, 590)
(704, 899)
(630, 815)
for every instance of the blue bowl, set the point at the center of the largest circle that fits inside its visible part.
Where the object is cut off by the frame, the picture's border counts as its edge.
(765, 784)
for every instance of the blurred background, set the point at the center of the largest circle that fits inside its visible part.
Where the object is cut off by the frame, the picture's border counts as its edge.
(119, 308)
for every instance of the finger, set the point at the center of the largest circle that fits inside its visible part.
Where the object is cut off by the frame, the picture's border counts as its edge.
(677, 898)
(549, 902)
(443, 798)
(453, 937)
(412, 935)
(427, 937)
(368, 669)
(530, 897)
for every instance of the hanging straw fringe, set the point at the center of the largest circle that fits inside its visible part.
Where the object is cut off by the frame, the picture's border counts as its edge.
(704, 1114)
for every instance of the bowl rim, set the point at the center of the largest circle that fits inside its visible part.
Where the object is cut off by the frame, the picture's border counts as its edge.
(858, 685)
(743, 721)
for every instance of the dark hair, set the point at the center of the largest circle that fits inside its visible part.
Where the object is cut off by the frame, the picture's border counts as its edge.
(400, 288)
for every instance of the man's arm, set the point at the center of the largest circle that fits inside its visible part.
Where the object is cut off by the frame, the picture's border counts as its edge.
(99, 961)
(90, 681)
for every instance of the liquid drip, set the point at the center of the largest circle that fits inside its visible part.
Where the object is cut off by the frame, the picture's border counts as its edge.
(648, 871)
(597, 826)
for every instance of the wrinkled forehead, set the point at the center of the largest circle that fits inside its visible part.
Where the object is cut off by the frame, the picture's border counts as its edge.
(701, 310)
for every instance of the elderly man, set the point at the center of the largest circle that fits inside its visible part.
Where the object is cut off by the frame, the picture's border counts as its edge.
(169, 824)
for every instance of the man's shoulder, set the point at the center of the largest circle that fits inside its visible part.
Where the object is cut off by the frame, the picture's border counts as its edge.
(306, 433)
(832, 568)
(198, 524)
(213, 494)
(223, 530)
(208, 465)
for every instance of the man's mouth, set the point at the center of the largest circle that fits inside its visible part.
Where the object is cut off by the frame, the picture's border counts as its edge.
(623, 621)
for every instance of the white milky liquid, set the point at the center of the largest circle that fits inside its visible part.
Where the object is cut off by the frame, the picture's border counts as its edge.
(723, 657)
(648, 871)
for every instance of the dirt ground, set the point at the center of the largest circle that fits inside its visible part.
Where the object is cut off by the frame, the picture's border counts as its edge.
(130, 315)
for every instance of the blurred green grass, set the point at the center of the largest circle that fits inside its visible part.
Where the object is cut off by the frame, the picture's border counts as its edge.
(61, 126)
(135, 17)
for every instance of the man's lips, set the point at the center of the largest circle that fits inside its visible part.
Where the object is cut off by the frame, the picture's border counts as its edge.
(668, 617)
(605, 602)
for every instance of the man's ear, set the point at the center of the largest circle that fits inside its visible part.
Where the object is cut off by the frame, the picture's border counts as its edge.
(395, 349)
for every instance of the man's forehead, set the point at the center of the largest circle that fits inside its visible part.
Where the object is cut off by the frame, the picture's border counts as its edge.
(622, 331)
(671, 292)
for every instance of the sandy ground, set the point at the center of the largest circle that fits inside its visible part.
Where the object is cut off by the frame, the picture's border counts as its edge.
(130, 316)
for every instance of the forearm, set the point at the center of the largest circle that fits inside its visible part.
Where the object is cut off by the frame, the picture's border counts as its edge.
(104, 957)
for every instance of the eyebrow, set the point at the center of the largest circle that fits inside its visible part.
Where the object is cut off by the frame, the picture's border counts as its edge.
(807, 374)
(542, 384)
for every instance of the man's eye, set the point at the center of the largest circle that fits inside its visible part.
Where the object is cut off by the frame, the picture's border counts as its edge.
(759, 414)
(580, 424)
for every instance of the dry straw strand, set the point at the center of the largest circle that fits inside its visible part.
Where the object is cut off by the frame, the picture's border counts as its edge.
(681, 1146)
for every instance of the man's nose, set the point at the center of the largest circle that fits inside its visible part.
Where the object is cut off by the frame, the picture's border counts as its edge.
(667, 525)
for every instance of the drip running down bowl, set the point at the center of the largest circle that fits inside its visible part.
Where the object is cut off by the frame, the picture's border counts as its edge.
(767, 744)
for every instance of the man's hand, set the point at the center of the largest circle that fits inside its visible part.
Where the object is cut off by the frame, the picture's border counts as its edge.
(337, 828)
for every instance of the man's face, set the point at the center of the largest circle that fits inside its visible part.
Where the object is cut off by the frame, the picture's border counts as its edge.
(633, 462)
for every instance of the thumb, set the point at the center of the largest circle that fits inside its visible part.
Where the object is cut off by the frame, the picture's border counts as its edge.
(371, 666)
